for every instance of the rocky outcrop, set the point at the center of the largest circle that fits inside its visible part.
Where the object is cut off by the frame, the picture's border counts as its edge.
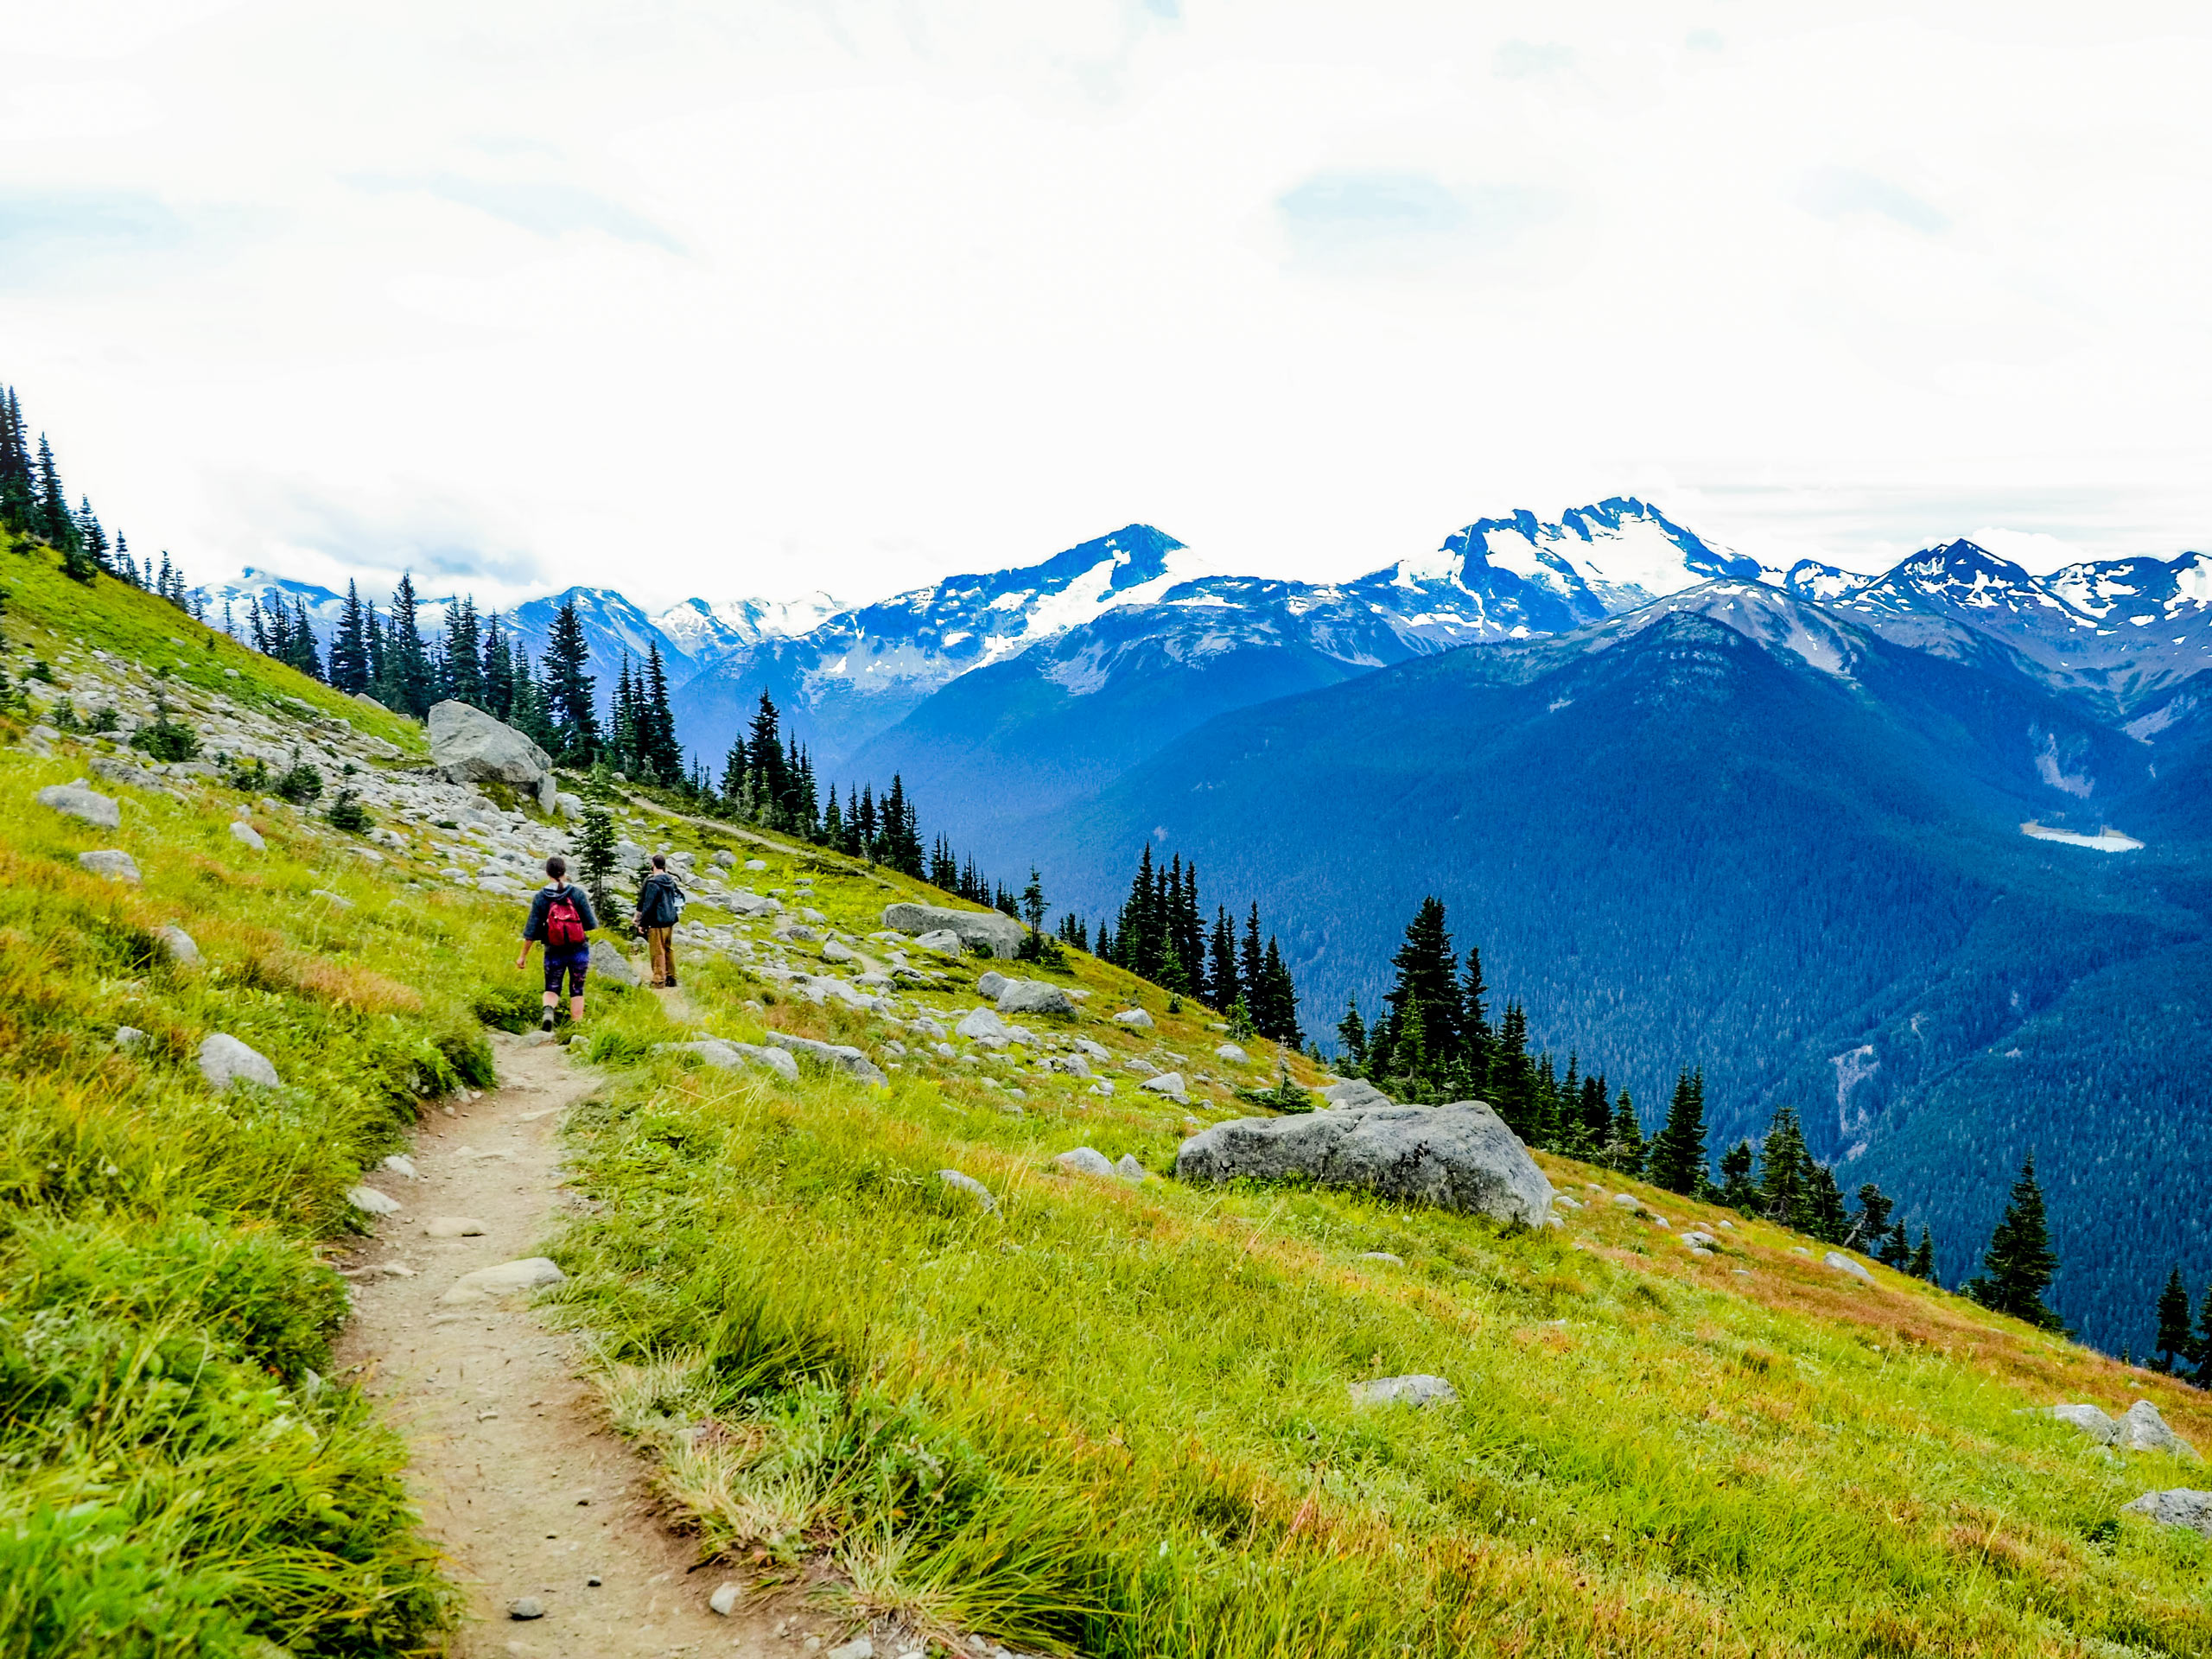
(85, 805)
(2177, 1506)
(976, 929)
(1459, 1157)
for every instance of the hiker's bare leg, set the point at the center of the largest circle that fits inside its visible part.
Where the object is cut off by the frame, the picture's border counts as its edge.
(576, 1010)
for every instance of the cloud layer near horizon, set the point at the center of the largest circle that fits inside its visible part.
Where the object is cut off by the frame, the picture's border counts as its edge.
(761, 300)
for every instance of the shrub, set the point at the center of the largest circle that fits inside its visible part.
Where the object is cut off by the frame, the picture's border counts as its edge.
(299, 782)
(164, 738)
(346, 813)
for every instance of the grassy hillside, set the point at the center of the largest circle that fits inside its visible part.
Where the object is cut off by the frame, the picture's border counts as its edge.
(1102, 1418)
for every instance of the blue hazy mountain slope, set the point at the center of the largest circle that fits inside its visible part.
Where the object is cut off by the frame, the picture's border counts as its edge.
(1761, 846)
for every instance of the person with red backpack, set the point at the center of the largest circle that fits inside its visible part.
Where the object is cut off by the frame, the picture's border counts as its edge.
(560, 918)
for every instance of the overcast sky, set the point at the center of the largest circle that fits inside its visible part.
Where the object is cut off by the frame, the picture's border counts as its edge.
(760, 298)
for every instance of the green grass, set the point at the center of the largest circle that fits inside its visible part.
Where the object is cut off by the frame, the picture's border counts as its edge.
(1115, 1422)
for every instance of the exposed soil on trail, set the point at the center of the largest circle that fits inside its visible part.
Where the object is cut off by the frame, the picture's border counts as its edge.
(517, 1477)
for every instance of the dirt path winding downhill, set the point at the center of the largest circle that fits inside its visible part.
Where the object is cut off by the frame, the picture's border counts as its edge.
(517, 1475)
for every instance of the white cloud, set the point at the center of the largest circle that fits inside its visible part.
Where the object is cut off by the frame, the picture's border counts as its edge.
(845, 295)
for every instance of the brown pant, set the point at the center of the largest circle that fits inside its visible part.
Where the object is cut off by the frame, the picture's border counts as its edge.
(661, 942)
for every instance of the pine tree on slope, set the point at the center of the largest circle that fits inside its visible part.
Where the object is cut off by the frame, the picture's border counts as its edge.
(1677, 1161)
(2176, 1341)
(2019, 1264)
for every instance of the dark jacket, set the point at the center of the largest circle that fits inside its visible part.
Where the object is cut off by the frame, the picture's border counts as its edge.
(656, 900)
(534, 928)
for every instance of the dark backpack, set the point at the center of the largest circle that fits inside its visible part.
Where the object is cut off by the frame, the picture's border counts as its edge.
(667, 906)
(564, 924)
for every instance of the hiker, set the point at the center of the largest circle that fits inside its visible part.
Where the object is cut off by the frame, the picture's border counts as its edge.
(561, 919)
(661, 903)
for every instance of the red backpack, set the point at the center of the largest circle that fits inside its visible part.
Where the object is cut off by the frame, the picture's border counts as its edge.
(564, 924)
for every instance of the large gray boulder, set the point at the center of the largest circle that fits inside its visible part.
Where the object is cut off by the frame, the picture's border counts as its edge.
(468, 746)
(88, 807)
(2090, 1419)
(1034, 996)
(851, 1061)
(2177, 1506)
(1001, 934)
(729, 1056)
(2143, 1430)
(1457, 1157)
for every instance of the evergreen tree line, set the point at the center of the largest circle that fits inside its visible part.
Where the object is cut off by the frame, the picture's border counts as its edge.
(2178, 1344)
(33, 503)
(1162, 935)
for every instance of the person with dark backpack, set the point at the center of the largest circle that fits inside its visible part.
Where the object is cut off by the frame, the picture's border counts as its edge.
(561, 919)
(660, 905)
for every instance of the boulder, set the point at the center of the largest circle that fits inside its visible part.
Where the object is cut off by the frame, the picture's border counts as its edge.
(756, 863)
(1843, 1263)
(368, 1200)
(729, 1056)
(851, 1061)
(991, 984)
(1169, 1083)
(75, 801)
(942, 940)
(570, 807)
(982, 1026)
(1628, 1201)
(468, 746)
(247, 836)
(111, 863)
(1096, 1051)
(1700, 1241)
(608, 964)
(2178, 1506)
(177, 945)
(1135, 1018)
(1232, 1054)
(836, 950)
(1458, 1157)
(1129, 1170)
(968, 1184)
(225, 1060)
(1034, 996)
(980, 930)
(2143, 1430)
(1416, 1390)
(509, 1276)
(1084, 1160)
(2090, 1419)
(1354, 1093)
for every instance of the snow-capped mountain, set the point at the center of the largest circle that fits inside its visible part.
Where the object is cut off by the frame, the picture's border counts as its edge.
(706, 632)
(253, 586)
(863, 670)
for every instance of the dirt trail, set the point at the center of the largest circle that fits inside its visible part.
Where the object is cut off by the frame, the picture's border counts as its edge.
(517, 1475)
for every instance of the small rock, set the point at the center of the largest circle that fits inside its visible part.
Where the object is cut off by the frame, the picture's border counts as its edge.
(454, 1227)
(1130, 1170)
(2178, 1506)
(400, 1164)
(75, 801)
(1843, 1263)
(609, 964)
(129, 1036)
(1231, 1054)
(177, 944)
(1356, 1094)
(1169, 1083)
(1627, 1201)
(225, 1060)
(111, 863)
(368, 1199)
(991, 984)
(848, 1059)
(1416, 1390)
(942, 940)
(756, 863)
(1085, 1161)
(859, 1648)
(1382, 1255)
(2143, 1430)
(968, 1184)
(725, 1598)
(526, 1607)
(243, 832)
(486, 1282)
(2090, 1420)
(1032, 996)
(1566, 1201)
(339, 899)
(983, 1026)
(1700, 1241)
(833, 951)
(1137, 1019)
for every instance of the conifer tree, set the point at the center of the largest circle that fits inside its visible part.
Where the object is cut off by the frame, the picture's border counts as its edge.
(1276, 1012)
(1678, 1160)
(498, 671)
(1923, 1265)
(1624, 1147)
(1352, 1036)
(1785, 1173)
(349, 646)
(464, 655)
(1596, 1107)
(595, 843)
(406, 658)
(1872, 1225)
(2176, 1341)
(1427, 975)
(570, 686)
(2201, 1353)
(662, 750)
(1513, 1077)
(1736, 1189)
(2018, 1268)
